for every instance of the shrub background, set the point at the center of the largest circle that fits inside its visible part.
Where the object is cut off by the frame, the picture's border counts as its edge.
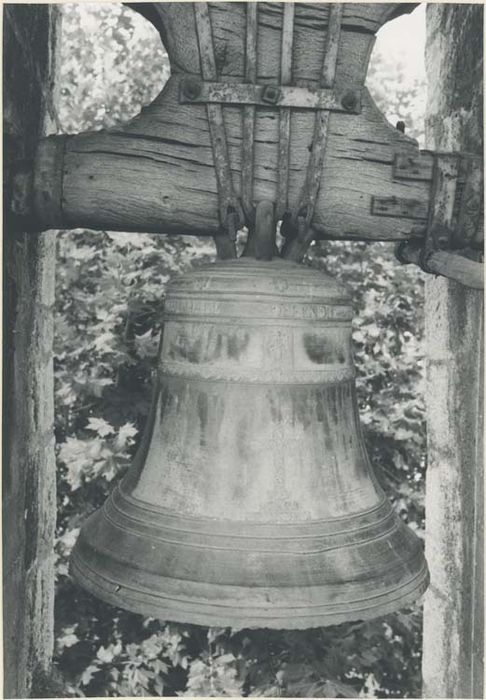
(110, 292)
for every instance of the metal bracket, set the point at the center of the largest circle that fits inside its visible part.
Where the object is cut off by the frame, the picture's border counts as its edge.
(455, 216)
(398, 207)
(197, 91)
(455, 213)
(456, 202)
(407, 167)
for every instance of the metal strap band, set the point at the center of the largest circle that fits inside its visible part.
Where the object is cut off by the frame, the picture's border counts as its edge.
(332, 45)
(284, 122)
(249, 111)
(470, 216)
(441, 211)
(297, 227)
(228, 201)
(453, 221)
(283, 96)
(316, 158)
(400, 207)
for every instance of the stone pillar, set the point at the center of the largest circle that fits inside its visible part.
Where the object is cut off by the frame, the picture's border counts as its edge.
(453, 611)
(29, 486)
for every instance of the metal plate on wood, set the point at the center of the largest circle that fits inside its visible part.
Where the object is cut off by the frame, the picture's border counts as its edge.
(399, 207)
(470, 197)
(412, 167)
(206, 92)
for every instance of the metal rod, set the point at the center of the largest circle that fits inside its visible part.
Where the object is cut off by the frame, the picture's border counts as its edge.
(226, 194)
(284, 122)
(249, 111)
(332, 45)
(316, 158)
(305, 211)
(467, 272)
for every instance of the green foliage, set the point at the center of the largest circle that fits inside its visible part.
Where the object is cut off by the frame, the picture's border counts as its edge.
(387, 338)
(398, 91)
(111, 65)
(110, 290)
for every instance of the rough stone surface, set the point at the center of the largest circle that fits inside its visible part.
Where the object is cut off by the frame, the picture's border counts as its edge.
(453, 624)
(29, 505)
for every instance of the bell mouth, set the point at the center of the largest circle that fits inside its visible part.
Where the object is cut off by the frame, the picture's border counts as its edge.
(292, 576)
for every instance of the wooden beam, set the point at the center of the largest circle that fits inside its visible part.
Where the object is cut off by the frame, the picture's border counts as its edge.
(29, 478)
(454, 604)
(367, 17)
(157, 172)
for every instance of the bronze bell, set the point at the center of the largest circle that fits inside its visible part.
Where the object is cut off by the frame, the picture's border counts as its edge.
(252, 502)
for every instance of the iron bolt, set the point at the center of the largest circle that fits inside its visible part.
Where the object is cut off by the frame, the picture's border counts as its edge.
(349, 101)
(191, 88)
(271, 94)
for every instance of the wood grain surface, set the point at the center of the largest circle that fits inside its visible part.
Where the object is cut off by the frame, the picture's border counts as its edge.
(157, 172)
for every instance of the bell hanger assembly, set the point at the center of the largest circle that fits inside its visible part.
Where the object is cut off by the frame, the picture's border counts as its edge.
(291, 123)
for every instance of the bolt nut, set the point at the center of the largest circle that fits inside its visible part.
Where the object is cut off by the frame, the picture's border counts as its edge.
(349, 101)
(191, 88)
(271, 94)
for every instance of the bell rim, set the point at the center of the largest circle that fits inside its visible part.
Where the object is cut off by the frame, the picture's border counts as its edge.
(319, 599)
(199, 612)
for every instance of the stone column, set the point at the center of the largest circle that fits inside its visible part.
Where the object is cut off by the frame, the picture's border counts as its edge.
(453, 612)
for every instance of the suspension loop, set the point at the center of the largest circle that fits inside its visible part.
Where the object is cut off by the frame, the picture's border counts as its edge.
(454, 222)
(291, 222)
(295, 247)
(225, 249)
(287, 228)
(225, 239)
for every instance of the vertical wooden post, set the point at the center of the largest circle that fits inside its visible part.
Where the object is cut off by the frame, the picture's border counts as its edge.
(29, 496)
(453, 612)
